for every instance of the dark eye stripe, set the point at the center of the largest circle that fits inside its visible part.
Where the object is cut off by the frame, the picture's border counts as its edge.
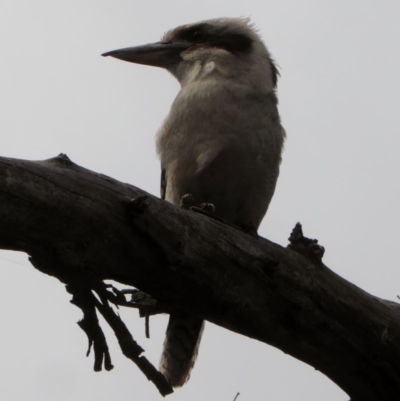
(232, 42)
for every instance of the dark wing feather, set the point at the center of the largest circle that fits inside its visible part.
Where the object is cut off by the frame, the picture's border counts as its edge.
(163, 184)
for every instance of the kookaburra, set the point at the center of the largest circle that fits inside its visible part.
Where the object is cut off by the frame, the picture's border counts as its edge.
(221, 141)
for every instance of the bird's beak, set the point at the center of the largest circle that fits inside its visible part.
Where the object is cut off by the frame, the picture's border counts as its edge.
(156, 54)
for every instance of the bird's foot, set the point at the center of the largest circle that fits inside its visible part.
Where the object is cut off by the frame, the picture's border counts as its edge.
(187, 201)
(207, 207)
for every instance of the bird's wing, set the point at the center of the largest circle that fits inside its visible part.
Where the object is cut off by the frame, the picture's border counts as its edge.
(163, 183)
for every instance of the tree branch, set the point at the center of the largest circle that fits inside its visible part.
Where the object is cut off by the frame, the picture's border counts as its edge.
(83, 227)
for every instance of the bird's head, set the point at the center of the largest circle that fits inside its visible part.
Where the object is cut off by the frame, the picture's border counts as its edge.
(226, 46)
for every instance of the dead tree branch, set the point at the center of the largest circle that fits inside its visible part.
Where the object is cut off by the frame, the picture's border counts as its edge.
(83, 228)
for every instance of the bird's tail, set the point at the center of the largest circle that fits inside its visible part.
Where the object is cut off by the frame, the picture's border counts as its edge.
(180, 349)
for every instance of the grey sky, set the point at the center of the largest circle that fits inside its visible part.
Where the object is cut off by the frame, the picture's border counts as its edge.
(339, 102)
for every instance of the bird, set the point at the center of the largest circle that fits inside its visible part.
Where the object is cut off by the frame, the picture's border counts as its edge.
(221, 141)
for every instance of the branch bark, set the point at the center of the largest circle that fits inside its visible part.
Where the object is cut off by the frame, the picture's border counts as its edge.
(82, 227)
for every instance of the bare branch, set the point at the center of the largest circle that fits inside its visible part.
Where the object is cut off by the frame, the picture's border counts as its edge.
(83, 227)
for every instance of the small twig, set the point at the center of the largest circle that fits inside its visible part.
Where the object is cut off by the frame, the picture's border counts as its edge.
(237, 395)
(87, 302)
(147, 324)
(83, 299)
(140, 300)
(130, 348)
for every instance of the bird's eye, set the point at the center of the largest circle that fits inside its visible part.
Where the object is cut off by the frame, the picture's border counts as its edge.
(198, 36)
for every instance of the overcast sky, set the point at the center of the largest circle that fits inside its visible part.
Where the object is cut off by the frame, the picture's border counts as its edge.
(339, 100)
